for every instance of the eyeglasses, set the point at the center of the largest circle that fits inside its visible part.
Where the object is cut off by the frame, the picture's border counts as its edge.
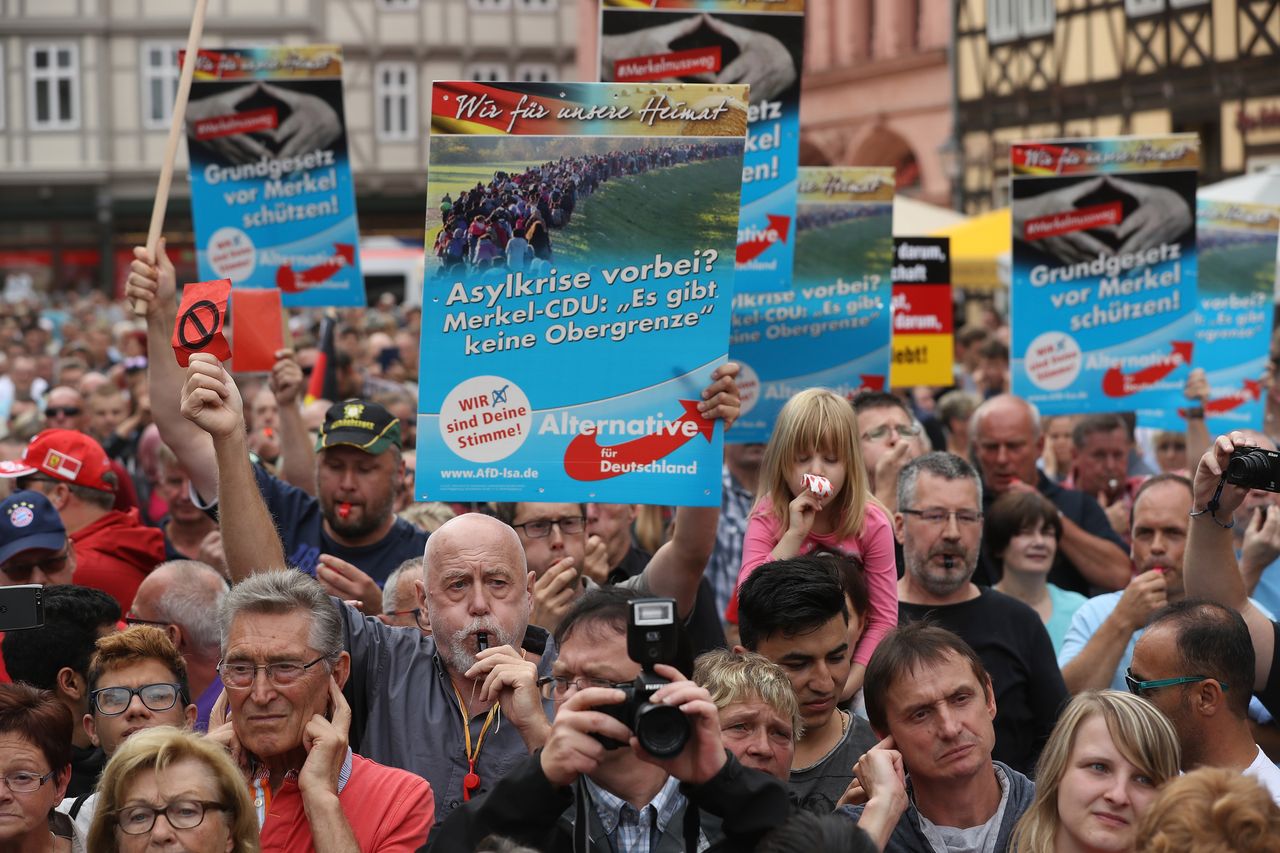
(131, 620)
(419, 617)
(114, 701)
(240, 675)
(882, 431)
(1142, 688)
(62, 411)
(964, 517)
(23, 782)
(569, 525)
(181, 814)
(50, 565)
(557, 687)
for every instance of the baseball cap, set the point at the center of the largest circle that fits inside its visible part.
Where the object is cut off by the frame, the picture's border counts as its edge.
(361, 424)
(28, 522)
(63, 454)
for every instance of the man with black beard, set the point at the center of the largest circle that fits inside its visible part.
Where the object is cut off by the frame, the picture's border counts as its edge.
(939, 523)
(347, 534)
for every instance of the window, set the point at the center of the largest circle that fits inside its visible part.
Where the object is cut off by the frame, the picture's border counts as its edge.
(3, 110)
(487, 72)
(53, 86)
(397, 5)
(1010, 20)
(537, 5)
(489, 5)
(396, 97)
(160, 71)
(536, 72)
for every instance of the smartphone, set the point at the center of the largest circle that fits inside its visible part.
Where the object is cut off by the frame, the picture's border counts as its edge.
(21, 607)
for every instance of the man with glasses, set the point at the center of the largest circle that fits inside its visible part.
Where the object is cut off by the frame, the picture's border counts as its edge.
(888, 435)
(181, 597)
(939, 523)
(114, 549)
(621, 798)
(137, 680)
(283, 667)
(1004, 433)
(1195, 663)
(554, 537)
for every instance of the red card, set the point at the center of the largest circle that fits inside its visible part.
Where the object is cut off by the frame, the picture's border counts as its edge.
(201, 317)
(257, 330)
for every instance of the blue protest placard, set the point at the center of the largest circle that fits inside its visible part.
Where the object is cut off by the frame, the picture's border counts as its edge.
(757, 42)
(1237, 254)
(580, 241)
(271, 193)
(831, 327)
(1104, 272)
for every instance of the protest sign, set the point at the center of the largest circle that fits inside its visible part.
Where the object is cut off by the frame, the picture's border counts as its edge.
(830, 328)
(1237, 254)
(923, 324)
(271, 192)
(1104, 272)
(257, 329)
(575, 302)
(757, 42)
(198, 326)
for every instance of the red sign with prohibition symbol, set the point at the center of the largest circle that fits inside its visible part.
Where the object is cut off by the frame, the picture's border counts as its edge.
(201, 316)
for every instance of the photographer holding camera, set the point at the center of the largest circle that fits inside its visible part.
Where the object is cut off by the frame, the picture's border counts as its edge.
(594, 786)
(1224, 476)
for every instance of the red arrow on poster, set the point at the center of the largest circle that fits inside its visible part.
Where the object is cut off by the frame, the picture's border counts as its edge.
(584, 455)
(775, 233)
(1117, 383)
(1251, 390)
(292, 282)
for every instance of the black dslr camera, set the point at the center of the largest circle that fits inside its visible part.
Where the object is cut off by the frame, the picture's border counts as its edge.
(652, 638)
(1254, 468)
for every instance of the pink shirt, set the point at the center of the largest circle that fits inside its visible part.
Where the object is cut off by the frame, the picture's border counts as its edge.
(873, 545)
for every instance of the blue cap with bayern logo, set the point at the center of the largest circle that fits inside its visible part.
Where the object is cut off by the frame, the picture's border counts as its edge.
(29, 522)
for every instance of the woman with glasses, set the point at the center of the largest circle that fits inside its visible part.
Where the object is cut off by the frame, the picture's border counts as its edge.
(1022, 535)
(35, 761)
(1098, 774)
(169, 789)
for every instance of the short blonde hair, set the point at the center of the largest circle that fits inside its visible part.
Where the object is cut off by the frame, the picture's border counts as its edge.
(156, 749)
(731, 677)
(1210, 810)
(1142, 734)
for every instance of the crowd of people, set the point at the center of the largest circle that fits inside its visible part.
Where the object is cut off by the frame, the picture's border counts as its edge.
(920, 621)
(507, 222)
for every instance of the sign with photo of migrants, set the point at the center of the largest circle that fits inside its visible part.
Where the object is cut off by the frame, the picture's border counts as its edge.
(756, 42)
(1104, 272)
(830, 328)
(580, 242)
(1237, 255)
(271, 192)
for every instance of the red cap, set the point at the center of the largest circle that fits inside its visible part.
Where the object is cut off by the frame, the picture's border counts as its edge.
(63, 454)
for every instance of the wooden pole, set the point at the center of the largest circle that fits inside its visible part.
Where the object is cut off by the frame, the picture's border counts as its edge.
(176, 128)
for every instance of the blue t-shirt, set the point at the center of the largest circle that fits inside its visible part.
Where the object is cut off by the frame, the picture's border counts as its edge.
(1065, 603)
(301, 525)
